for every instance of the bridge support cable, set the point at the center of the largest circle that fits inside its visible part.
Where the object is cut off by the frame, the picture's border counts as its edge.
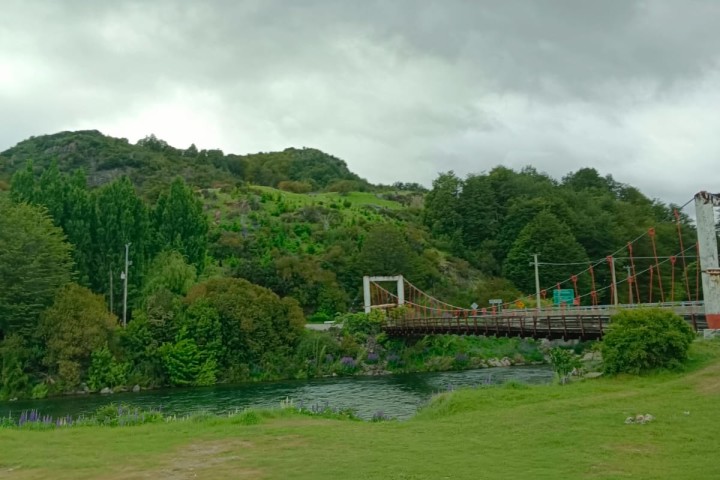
(657, 265)
(682, 255)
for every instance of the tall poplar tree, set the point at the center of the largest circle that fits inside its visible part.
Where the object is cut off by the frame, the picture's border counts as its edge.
(180, 224)
(122, 218)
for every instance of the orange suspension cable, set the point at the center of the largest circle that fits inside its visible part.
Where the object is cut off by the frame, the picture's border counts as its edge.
(634, 274)
(657, 265)
(672, 279)
(575, 287)
(593, 293)
(613, 292)
(682, 254)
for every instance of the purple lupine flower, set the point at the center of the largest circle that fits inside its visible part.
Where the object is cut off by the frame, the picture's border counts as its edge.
(379, 416)
(373, 357)
(329, 358)
(461, 358)
(348, 362)
(394, 359)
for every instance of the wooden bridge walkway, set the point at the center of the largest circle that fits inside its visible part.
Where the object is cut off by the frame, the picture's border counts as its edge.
(584, 323)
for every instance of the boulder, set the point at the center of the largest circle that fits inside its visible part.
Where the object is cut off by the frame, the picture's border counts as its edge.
(711, 333)
(591, 356)
(106, 391)
(494, 362)
(136, 389)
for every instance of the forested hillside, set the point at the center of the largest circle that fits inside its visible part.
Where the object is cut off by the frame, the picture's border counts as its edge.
(230, 253)
(151, 163)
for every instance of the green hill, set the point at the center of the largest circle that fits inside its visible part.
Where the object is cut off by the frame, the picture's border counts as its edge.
(151, 163)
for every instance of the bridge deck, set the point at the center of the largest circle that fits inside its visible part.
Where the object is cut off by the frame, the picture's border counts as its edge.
(570, 323)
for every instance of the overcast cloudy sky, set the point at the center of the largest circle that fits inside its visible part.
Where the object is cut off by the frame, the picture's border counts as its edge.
(399, 89)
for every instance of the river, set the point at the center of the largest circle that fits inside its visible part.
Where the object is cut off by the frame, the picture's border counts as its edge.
(397, 396)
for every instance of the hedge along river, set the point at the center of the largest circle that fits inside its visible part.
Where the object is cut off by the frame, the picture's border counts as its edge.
(397, 396)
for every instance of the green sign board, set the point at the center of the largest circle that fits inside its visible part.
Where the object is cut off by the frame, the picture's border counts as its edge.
(565, 295)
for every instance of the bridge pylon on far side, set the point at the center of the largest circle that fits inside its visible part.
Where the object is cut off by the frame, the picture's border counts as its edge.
(393, 278)
(708, 253)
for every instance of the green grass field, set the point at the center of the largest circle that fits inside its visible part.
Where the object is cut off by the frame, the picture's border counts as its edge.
(553, 432)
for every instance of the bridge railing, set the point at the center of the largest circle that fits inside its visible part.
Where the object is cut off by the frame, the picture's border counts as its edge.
(567, 322)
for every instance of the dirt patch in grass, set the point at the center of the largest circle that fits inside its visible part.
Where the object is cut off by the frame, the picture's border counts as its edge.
(223, 457)
(707, 380)
(635, 449)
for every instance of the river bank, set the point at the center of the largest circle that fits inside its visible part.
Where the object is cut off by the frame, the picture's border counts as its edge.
(511, 431)
(397, 396)
(354, 352)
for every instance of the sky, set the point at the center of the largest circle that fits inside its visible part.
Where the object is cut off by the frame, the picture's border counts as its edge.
(401, 90)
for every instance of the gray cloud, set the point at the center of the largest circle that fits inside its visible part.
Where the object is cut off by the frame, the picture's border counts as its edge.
(401, 90)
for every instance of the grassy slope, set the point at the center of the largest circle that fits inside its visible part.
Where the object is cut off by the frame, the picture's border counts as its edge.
(361, 203)
(552, 432)
(355, 198)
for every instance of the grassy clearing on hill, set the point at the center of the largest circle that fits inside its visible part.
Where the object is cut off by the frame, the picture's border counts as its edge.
(574, 431)
(327, 198)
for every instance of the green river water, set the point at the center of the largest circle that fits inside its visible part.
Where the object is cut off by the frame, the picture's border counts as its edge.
(397, 396)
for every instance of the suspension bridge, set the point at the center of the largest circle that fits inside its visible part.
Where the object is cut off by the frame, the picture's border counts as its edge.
(685, 281)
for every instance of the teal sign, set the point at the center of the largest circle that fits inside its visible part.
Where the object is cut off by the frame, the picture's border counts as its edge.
(565, 295)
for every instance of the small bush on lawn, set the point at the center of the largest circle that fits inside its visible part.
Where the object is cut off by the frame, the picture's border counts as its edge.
(645, 339)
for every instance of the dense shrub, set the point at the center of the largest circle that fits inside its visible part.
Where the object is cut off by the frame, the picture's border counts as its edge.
(563, 362)
(104, 371)
(14, 381)
(645, 339)
(76, 325)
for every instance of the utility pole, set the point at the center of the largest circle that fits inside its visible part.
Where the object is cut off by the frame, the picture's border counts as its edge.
(537, 283)
(111, 292)
(125, 278)
(629, 280)
(614, 280)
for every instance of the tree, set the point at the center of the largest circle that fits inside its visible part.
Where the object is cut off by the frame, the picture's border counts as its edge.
(555, 243)
(254, 321)
(442, 214)
(122, 218)
(477, 206)
(14, 381)
(180, 224)
(69, 204)
(588, 178)
(34, 263)
(385, 251)
(22, 185)
(169, 270)
(76, 324)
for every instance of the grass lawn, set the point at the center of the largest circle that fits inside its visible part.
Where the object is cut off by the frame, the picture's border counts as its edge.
(553, 432)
